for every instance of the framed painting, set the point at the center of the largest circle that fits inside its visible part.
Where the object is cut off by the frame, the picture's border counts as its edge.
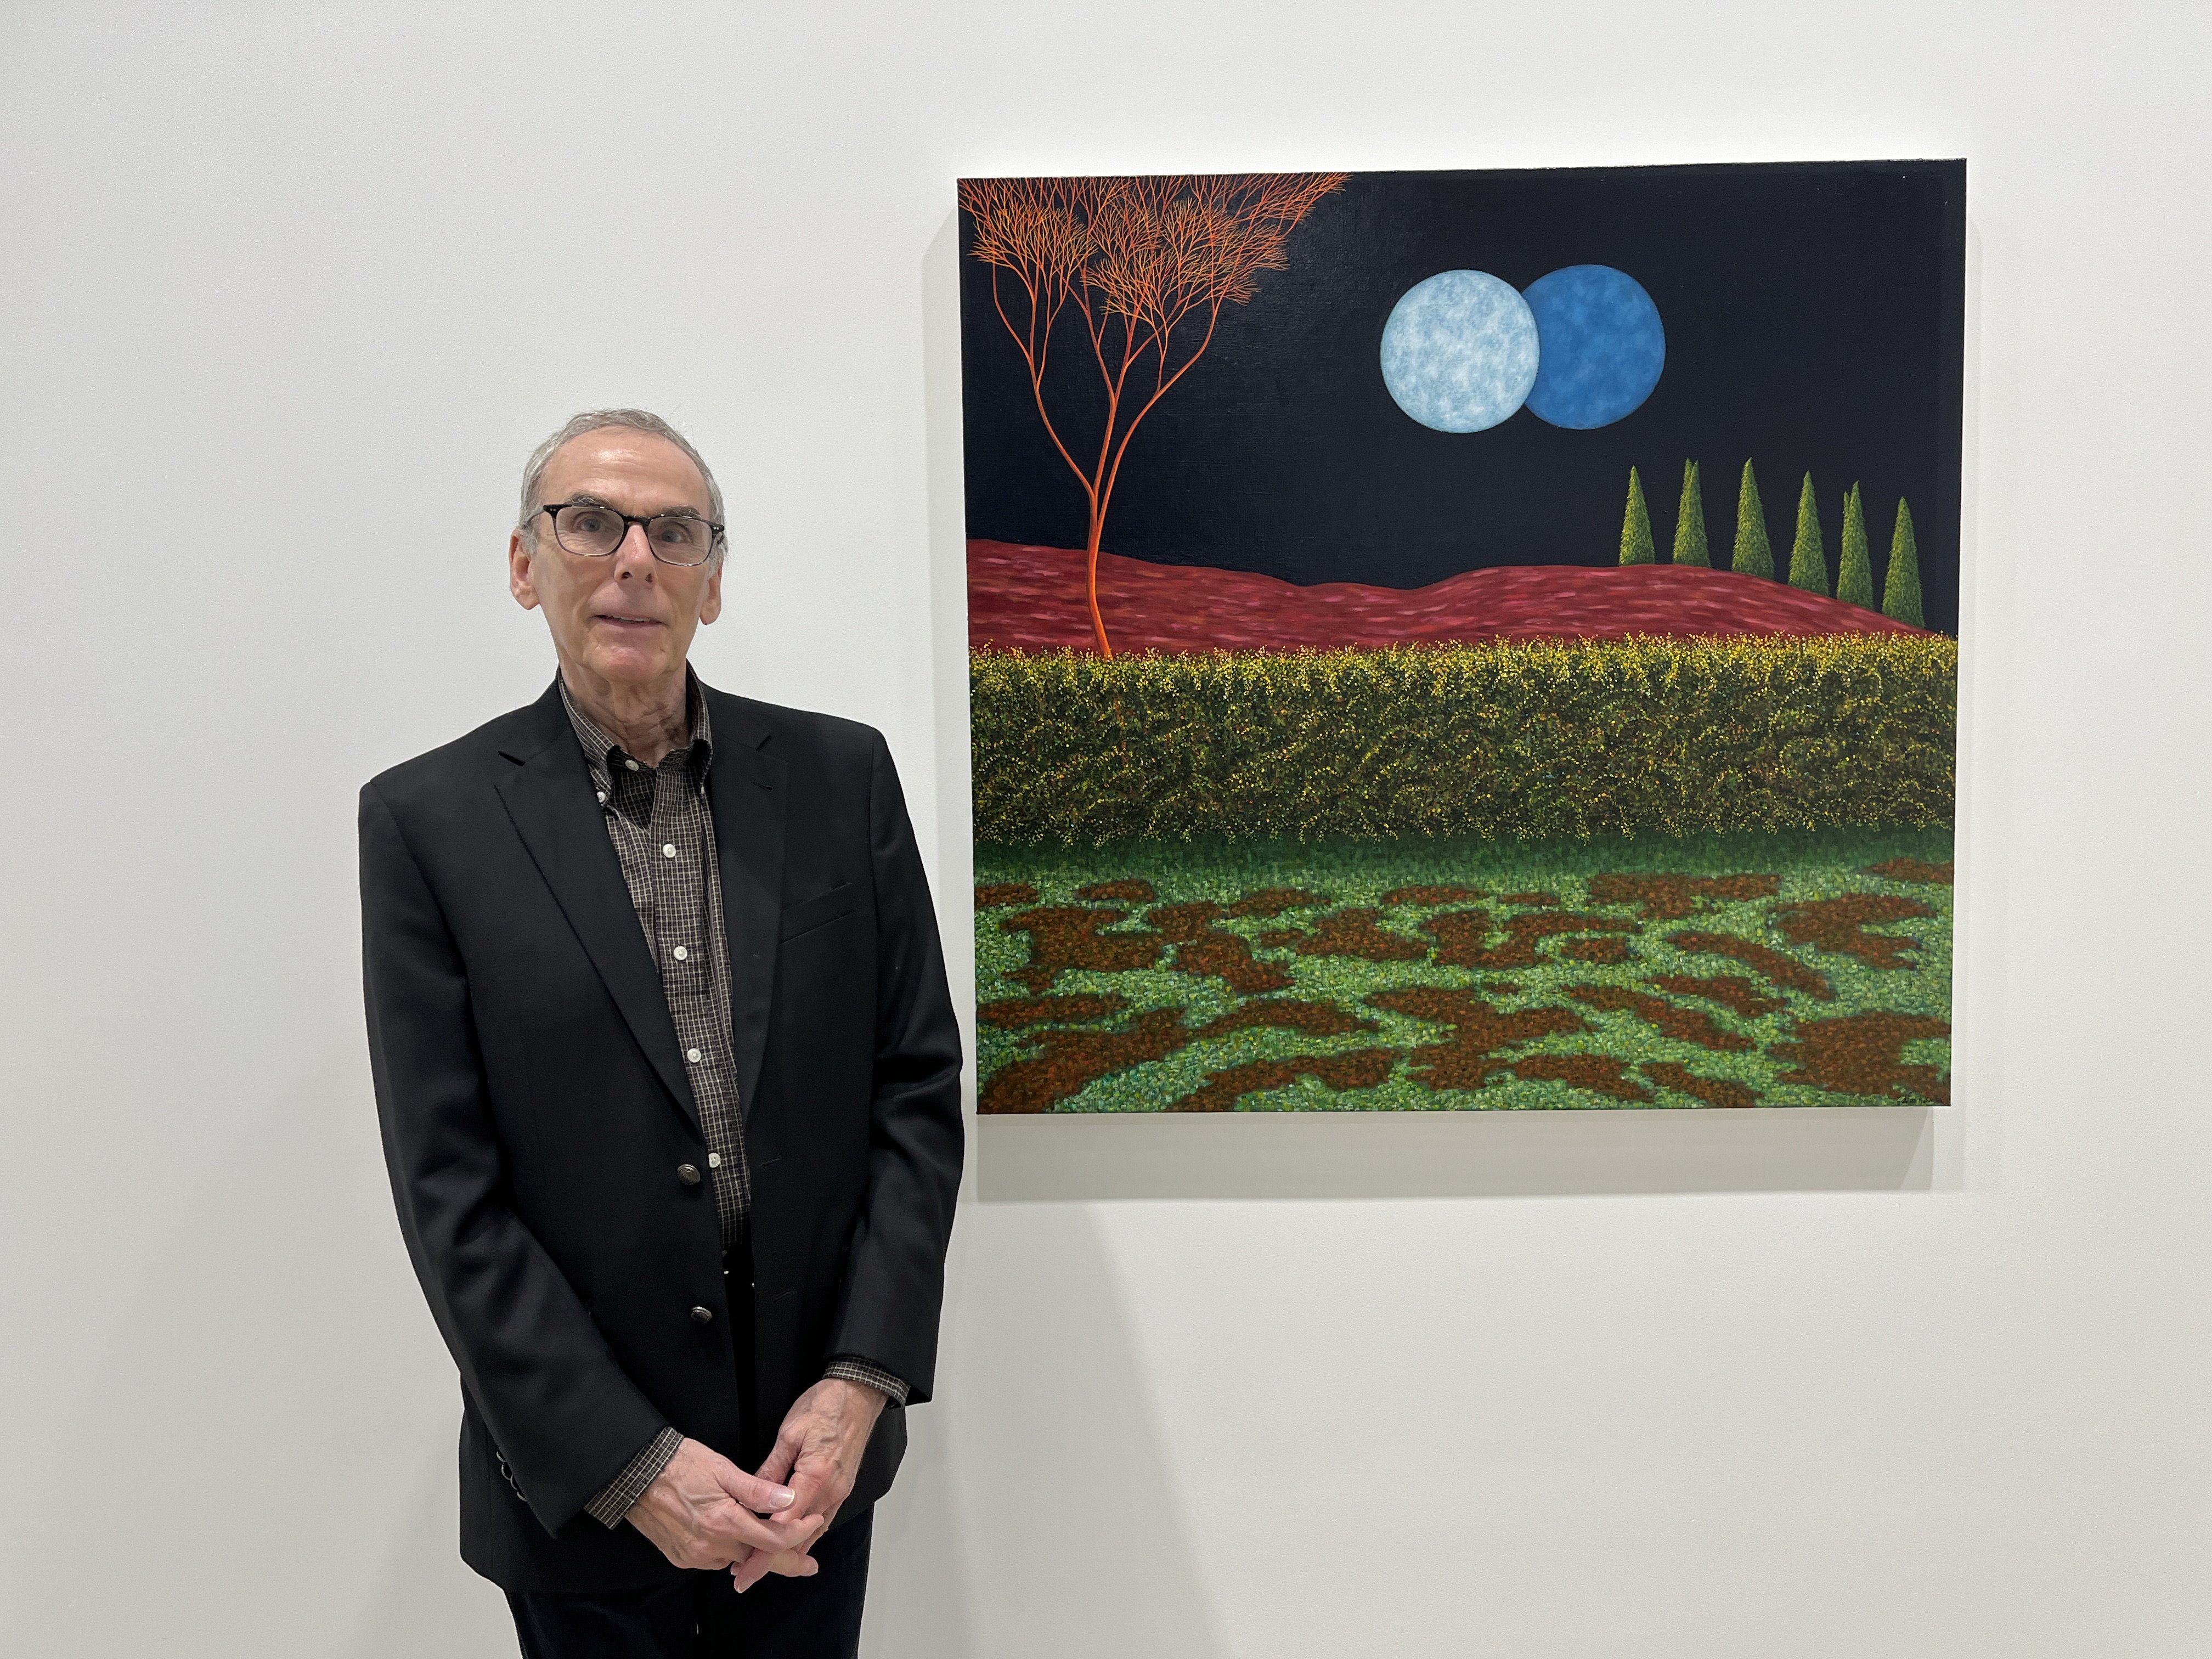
(1473, 640)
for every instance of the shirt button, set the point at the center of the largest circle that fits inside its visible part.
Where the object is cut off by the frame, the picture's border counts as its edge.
(631, 764)
(687, 1173)
(681, 954)
(691, 1055)
(603, 797)
(668, 849)
(702, 1316)
(714, 1160)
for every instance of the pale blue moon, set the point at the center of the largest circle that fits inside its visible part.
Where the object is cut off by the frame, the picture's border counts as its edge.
(1460, 351)
(1603, 346)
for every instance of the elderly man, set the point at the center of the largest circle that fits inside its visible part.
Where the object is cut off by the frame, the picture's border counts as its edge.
(668, 1078)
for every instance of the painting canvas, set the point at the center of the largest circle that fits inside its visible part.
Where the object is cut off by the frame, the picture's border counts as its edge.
(1464, 641)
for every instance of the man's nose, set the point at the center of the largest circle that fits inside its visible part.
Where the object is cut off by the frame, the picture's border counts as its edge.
(633, 552)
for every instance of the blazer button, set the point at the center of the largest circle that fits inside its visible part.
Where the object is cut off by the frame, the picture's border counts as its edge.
(687, 1173)
(702, 1316)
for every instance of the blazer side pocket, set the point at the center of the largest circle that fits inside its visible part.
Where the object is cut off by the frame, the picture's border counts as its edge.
(807, 914)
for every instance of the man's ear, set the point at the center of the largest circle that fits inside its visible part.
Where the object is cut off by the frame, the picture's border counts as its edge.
(519, 575)
(710, 603)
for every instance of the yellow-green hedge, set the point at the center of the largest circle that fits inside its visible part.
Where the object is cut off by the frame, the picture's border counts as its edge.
(1529, 740)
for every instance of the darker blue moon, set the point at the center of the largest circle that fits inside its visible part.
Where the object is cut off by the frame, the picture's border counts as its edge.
(1602, 346)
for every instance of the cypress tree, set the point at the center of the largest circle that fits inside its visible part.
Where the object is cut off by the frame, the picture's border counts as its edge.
(1854, 574)
(1900, 588)
(1636, 526)
(1808, 558)
(1753, 555)
(1690, 521)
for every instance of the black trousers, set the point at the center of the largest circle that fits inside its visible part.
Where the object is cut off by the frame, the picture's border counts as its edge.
(701, 1617)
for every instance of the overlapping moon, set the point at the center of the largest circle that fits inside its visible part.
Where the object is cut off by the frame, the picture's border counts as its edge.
(1603, 346)
(1583, 347)
(1459, 353)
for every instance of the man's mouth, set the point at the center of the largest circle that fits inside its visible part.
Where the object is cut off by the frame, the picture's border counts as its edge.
(622, 619)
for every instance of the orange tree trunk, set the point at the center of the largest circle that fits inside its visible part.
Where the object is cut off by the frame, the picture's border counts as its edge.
(1090, 587)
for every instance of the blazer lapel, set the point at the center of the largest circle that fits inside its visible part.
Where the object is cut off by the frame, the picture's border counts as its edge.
(745, 786)
(549, 796)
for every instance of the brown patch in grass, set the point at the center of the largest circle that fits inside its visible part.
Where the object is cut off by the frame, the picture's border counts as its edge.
(1462, 936)
(1683, 1025)
(1273, 901)
(1713, 1090)
(1067, 1062)
(1419, 895)
(996, 895)
(1223, 1090)
(1349, 933)
(1470, 1057)
(1739, 995)
(1209, 953)
(1014, 1013)
(1599, 1073)
(1070, 1062)
(1608, 953)
(1064, 935)
(1135, 889)
(1786, 971)
(1288, 1014)
(1502, 988)
(1840, 924)
(1910, 869)
(1182, 921)
(1531, 900)
(1218, 954)
(1673, 897)
(1864, 1054)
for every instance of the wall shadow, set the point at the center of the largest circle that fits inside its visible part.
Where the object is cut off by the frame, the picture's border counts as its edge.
(1038, 1514)
(427, 1604)
(954, 819)
(1454, 1154)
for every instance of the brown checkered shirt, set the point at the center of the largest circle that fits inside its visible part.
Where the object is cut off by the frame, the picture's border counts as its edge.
(663, 830)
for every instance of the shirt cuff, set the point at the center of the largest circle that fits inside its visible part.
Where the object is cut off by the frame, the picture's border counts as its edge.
(614, 1500)
(874, 1377)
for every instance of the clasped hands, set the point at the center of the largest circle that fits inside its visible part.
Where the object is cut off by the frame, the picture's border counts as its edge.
(703, 1512)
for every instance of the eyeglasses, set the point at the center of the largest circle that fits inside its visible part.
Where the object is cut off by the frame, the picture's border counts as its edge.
(594, 532)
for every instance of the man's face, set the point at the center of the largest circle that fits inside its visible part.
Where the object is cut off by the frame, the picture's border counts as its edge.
(626, 617)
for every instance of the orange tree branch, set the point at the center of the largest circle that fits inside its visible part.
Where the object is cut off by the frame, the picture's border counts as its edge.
(1036, 378)
(1106, 494)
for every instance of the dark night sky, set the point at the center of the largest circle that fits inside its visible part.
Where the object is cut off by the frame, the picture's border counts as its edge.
(1813, 316)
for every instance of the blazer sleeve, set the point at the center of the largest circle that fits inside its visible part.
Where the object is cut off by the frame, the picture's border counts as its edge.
(894, 1287)
(560, 1408)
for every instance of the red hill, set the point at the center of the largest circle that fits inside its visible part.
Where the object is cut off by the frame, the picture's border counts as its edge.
(1031, 598)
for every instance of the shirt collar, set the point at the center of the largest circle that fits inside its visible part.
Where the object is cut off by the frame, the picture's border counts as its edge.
(599, 746)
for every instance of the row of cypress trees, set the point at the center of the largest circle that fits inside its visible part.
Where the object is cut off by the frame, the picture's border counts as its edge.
(1753, 555)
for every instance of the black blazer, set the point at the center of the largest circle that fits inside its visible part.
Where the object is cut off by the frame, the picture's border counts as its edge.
(535, 1109)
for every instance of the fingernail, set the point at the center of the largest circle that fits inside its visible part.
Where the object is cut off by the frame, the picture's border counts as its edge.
(782, 1497)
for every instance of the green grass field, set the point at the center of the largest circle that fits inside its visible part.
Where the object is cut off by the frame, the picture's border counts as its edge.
(1775, 969)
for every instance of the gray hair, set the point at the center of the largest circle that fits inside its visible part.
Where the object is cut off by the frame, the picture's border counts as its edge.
(599, 420)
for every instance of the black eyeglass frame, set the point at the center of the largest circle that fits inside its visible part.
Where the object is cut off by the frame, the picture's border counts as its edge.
(715, 539)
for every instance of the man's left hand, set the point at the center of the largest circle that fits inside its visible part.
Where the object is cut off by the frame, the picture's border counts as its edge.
(817, 1454)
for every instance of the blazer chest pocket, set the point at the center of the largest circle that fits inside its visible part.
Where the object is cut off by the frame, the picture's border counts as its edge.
(807, 914)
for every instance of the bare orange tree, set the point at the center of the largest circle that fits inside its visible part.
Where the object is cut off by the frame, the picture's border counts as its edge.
(1139, 261)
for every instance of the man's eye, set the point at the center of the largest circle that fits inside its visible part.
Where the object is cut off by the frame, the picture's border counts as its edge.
(679, 533)
(589, 523)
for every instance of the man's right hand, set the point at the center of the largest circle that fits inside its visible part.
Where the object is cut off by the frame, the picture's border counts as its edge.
(703, 1512)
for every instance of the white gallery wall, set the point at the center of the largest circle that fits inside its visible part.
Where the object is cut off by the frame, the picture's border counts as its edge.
(287, 291)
